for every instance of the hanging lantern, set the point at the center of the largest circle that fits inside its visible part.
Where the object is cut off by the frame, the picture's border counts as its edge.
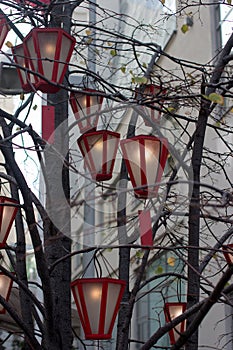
(149, 93)
(145, 158)
(5, 289)
(19, 58)
(86, 108)
(48, 52)
(4, 29)
(228, 253)
(98, 301)
(99, 150)
(8, 211)
(171, 311)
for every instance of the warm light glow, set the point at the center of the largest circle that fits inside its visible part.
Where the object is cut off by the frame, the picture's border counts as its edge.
(96, 293)
(50, 50)
(98, 146)
(149, 154)
(173, 310)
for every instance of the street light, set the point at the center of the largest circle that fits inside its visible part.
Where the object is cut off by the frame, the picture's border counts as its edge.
(8, 211)
(47, 51)
(228, 253)
(149, 93)
(84, 105)
(5, 289)
(145, 158)
(171, 311)
(99, 150)
(4, 29)
(98, 301)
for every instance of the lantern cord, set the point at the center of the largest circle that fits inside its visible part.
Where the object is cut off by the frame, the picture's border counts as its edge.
(90, 261)
(107, 265)
(99, 269)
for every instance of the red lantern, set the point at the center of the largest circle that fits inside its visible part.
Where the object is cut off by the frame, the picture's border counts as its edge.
(149, 93)
(4, 29)
(5, 289)
(48, 52)
(84, 105)
(99, 150)
(98, 301)
(171, 311)
(8, 211)
(228, 253)
(19, 58)
(145, 158)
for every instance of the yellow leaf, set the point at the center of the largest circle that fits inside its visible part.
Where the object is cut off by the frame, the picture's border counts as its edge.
(216, 98)
(229, 2)
(162, 1)
(159, 270)
(88, 32)
(140, 80)
(113, 52)
(184, 28)
(123, 69)
(9, 44)
(171, 261)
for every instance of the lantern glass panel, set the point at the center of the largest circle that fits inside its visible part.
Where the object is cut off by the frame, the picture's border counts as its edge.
(175, 311)
(7, 214)
(92, 296)
(93, 153)
(31, 59)
(133, 148)
(110, 153)
(64, 56)
(3, 30)
(112, 299)
(19, 58)
(151, 162)
(48, 44)
(5, 286)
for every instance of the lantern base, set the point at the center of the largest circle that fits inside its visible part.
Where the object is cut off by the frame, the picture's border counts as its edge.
(98, 336)
(145, 194)
(46, 88)
(102, 177)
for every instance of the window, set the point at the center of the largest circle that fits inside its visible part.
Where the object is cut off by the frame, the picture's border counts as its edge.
(150, 302)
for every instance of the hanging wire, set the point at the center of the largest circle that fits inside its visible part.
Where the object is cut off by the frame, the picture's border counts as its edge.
(107, 265)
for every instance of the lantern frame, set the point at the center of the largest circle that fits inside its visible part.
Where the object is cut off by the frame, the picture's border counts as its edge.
(144, 190)
(86, 122)
(90, 161)
(102, 301)
(169, 318)
(228, 253)
(7, 292)
(4, 29)
(39, 64)
(5, 233)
